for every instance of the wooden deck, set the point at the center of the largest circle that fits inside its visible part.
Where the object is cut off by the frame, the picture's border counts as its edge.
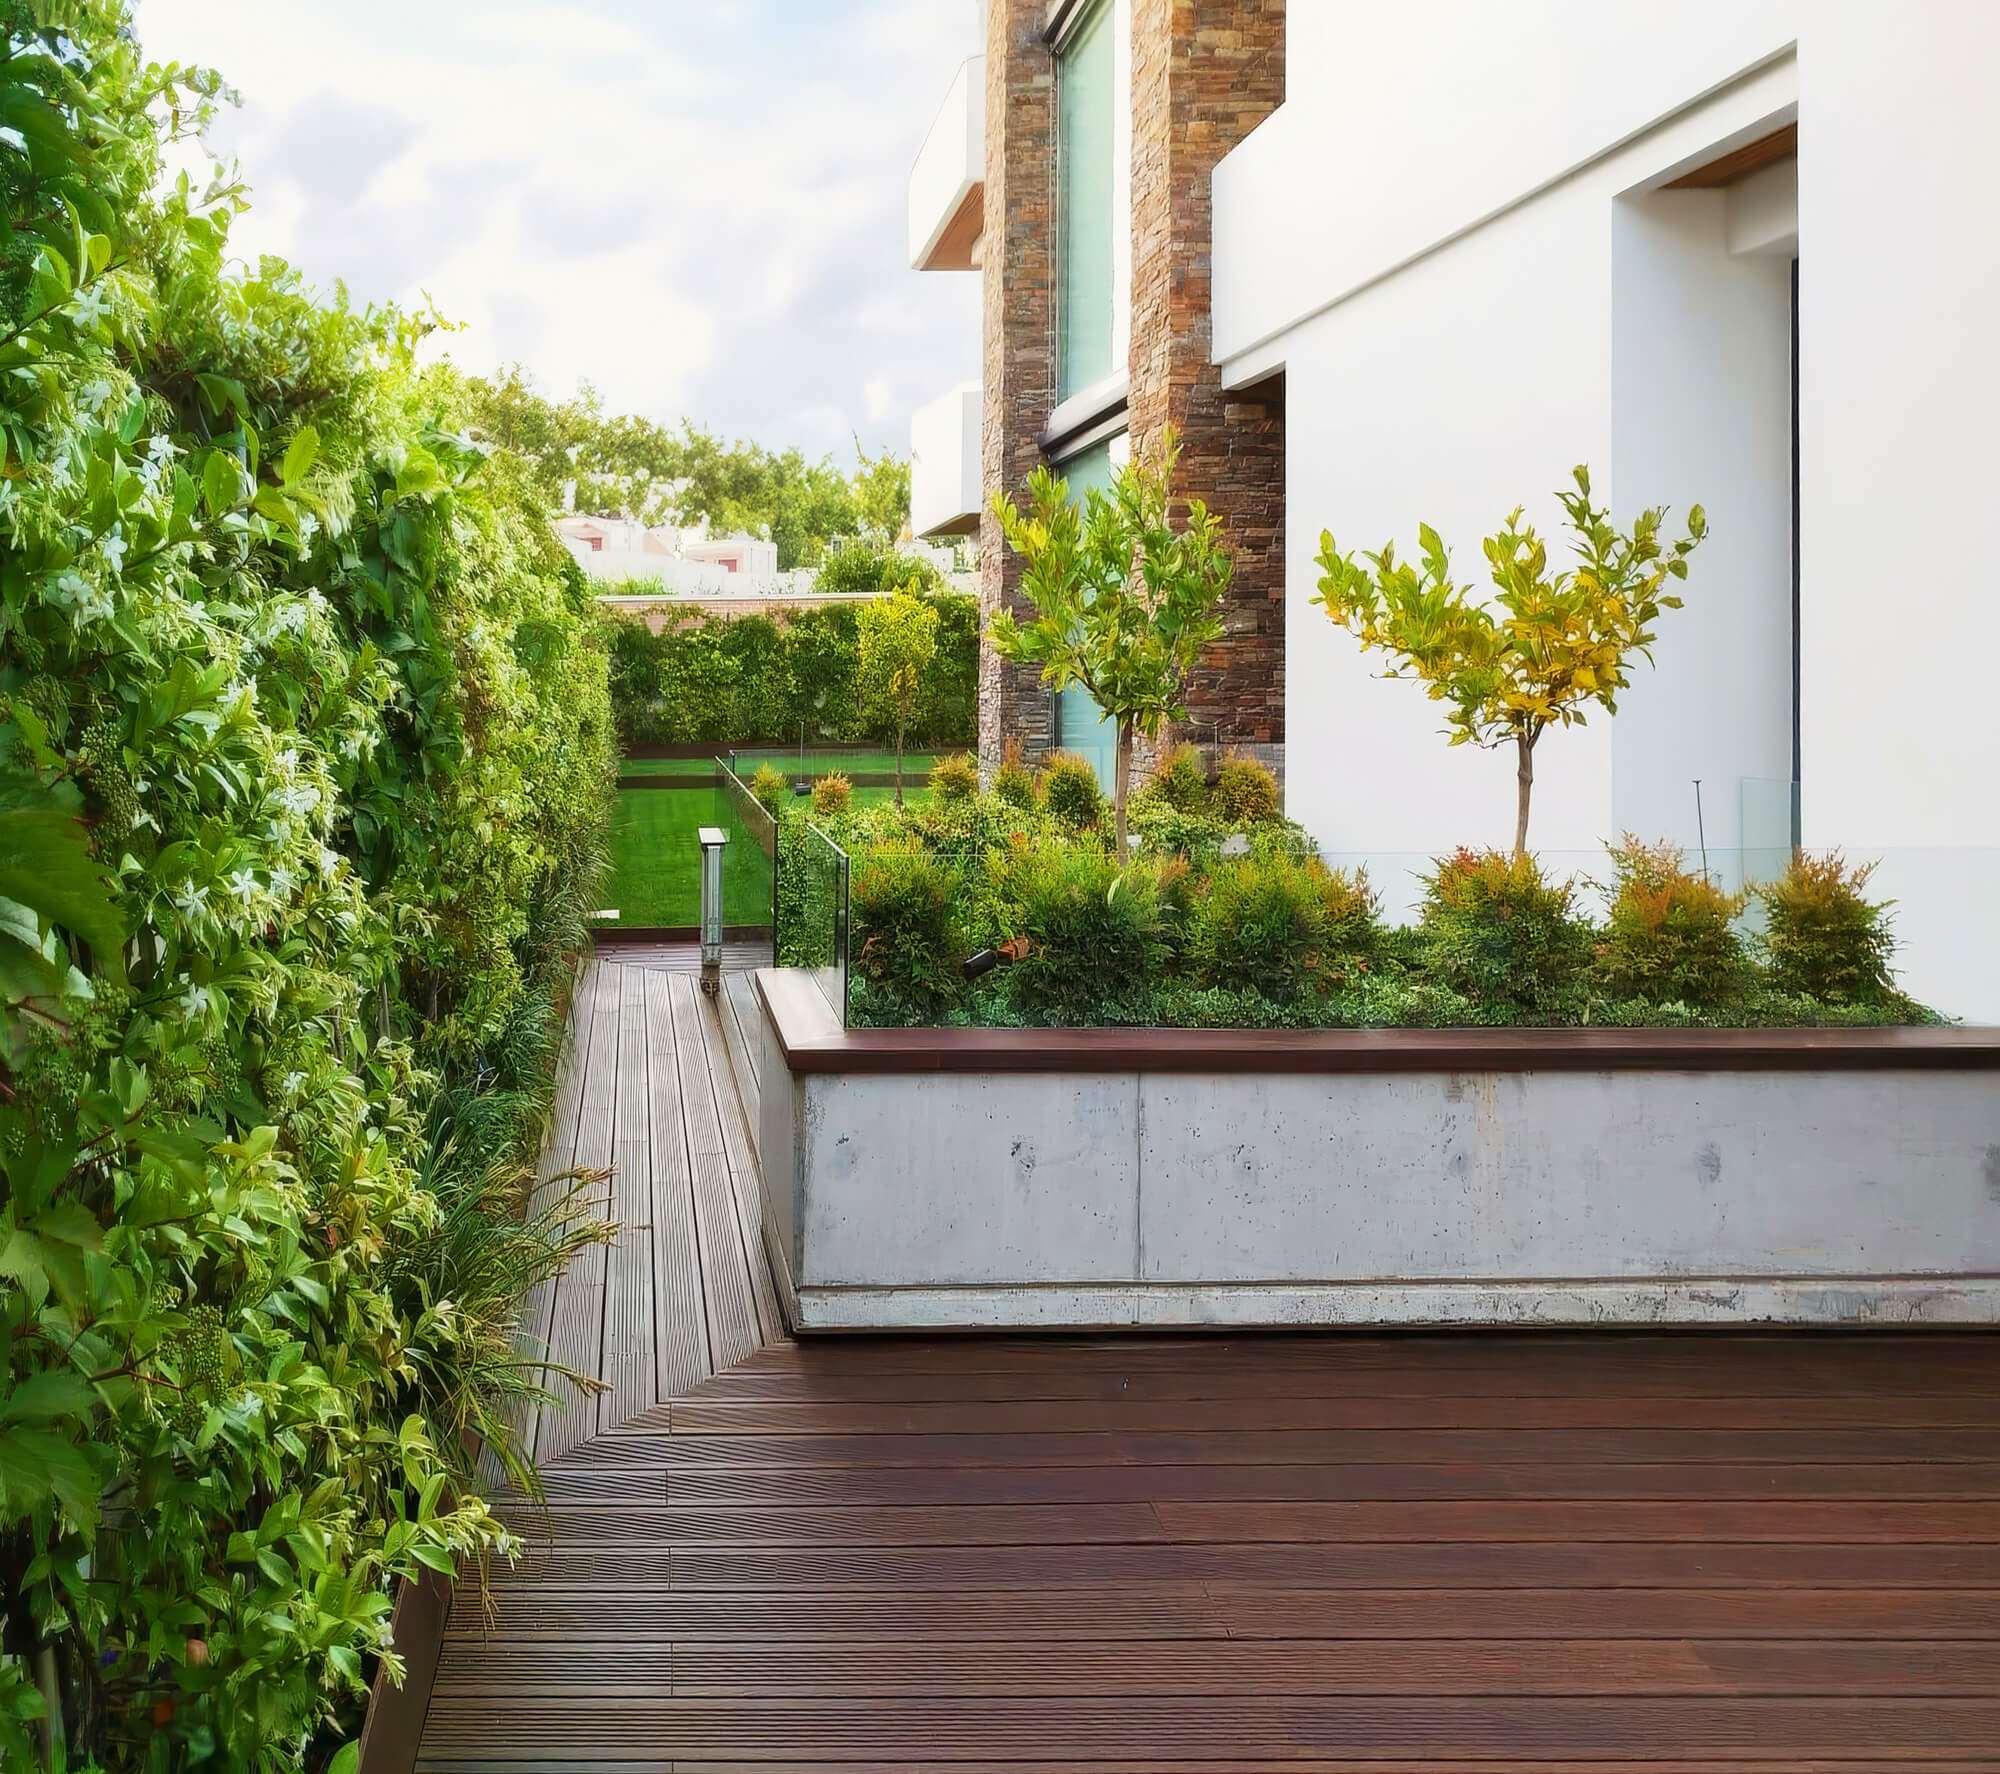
(1303, 1552)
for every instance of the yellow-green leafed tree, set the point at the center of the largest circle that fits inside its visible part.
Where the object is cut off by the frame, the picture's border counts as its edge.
(1549, 648)
(898, 645)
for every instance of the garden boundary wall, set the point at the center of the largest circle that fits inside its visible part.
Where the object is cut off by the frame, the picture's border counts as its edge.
(1082, 1179)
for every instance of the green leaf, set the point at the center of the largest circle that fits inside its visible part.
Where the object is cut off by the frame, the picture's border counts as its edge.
(45, 864)
(41, 1397)
(300, 454)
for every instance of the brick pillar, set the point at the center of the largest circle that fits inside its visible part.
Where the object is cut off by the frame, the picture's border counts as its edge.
(1018, 292)
(1205, 73)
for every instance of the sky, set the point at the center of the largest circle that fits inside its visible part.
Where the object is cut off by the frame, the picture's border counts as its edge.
(699, 206)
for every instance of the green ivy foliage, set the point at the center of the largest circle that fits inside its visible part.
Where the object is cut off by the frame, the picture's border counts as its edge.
(305, 761)
(753, 680)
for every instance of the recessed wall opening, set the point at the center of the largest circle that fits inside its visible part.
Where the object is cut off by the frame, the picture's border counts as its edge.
(1704, 409)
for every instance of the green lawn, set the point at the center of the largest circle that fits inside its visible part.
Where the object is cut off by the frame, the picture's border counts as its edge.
(656, 857)
(656, 861)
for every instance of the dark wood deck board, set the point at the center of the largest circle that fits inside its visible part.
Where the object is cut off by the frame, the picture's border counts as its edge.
(1364, 1552)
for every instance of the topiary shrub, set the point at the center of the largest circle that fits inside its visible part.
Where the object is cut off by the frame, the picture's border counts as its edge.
(769, 788)
(1671, 938)
(1088, 933)
(1499, 933)
(1014, 782)
(832, 793)
(1246, 793)
(1822, 939)
(1070, 790)
(908, 943)
(955, 779)
(1181, 781)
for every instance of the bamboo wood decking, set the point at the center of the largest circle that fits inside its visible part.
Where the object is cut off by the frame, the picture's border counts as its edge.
(1338, 1551)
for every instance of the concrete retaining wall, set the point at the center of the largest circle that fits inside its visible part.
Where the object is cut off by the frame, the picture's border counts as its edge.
(1067, 1198)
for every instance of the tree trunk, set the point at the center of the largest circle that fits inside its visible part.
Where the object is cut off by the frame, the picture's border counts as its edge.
(1121, 780)
(899, 769)
(1525, 787)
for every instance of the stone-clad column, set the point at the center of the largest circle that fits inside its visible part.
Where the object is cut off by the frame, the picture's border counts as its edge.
(1206, 73)
(1019, 367)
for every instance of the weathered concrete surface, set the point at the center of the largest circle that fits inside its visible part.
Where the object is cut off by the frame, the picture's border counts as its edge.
(1075, 1200)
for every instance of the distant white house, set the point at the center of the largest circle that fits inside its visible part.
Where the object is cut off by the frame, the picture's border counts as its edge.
(691, 563)
(687, 562)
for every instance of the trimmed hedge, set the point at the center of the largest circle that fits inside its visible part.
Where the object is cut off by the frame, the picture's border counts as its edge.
(757, 680)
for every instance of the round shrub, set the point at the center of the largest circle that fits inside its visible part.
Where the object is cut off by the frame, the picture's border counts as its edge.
(1013, 781)
(1280, 925)
(1088, 934)
(955, 779)
(1671, 938)
(1246, 793)
(1499, 933)
(1822, 939)
(1070, 790)
(907, 941)
(769, 788)
(1181, 781)
(832, 793)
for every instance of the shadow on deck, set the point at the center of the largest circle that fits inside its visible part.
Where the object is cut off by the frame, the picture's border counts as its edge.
(1302, 1551)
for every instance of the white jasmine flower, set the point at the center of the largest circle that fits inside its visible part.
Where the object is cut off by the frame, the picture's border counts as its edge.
(243, 883)
(93, 606)
(161, 449)
(329, 862)
(195, 1002)
(308, 529)
(93, 395)
(87, 308)
(192, 900)
(291, 1083)
(286, 761)
(282, 882)
(70, 586)
(114, 549)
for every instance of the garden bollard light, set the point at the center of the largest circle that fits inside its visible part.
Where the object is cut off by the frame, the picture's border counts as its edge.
(712, 841)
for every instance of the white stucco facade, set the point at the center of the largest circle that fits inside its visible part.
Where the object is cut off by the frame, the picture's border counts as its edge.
(1456, 241)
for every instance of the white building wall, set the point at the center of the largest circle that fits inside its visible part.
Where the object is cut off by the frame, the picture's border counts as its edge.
(1453, 240)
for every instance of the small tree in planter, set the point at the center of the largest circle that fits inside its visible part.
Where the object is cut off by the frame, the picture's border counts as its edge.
(898, 644)
(1557, 644)
(1125, 600)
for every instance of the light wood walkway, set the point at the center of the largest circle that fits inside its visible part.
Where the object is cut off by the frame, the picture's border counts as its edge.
(1289, 1552)
(684, 1292)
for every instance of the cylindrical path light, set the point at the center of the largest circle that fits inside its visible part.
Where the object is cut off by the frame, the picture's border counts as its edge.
(712, 841)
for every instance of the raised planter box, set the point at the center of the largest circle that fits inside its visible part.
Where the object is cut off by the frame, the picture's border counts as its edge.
(1068, 1179)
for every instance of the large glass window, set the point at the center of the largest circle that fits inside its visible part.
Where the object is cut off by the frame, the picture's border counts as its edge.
(1081, 726)
(1086, 162)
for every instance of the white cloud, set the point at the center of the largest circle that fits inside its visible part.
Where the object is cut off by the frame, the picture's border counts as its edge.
(697, 208)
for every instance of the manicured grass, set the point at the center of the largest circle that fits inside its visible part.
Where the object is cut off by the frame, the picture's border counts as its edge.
(656, 861)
